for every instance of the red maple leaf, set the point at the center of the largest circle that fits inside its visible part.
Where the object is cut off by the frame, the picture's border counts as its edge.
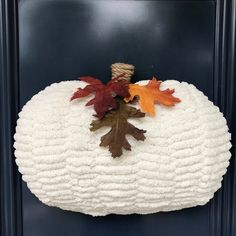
(103, 100)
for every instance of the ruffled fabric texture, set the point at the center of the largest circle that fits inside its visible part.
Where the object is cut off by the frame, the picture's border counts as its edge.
(180, 164)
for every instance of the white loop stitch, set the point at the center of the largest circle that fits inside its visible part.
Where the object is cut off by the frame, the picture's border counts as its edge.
(180, 164)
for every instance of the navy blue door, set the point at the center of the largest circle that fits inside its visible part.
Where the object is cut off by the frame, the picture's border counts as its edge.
(47, 41)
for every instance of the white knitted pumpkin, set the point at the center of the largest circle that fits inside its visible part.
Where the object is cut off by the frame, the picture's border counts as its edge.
(179, 165)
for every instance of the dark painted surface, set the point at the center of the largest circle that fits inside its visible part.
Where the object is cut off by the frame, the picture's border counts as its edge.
(62, 39)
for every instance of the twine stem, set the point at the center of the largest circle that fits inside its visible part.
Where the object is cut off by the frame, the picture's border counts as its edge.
(118, 69)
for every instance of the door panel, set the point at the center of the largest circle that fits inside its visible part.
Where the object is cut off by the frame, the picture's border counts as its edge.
(62, 39)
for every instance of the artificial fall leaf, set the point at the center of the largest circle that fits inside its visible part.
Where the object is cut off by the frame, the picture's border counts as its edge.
(103, 100)
(120, 127)
(150, 94)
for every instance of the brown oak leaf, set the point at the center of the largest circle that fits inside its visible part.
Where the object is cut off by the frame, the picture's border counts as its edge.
(120, 127)
(103, 100)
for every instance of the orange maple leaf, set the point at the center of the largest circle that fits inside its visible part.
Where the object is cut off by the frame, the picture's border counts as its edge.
(150, 94)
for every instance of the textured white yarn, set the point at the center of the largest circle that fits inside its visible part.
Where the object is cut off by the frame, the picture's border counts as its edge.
(179, 165)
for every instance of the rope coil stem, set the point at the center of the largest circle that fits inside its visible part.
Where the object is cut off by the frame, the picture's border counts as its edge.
(122, 68)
